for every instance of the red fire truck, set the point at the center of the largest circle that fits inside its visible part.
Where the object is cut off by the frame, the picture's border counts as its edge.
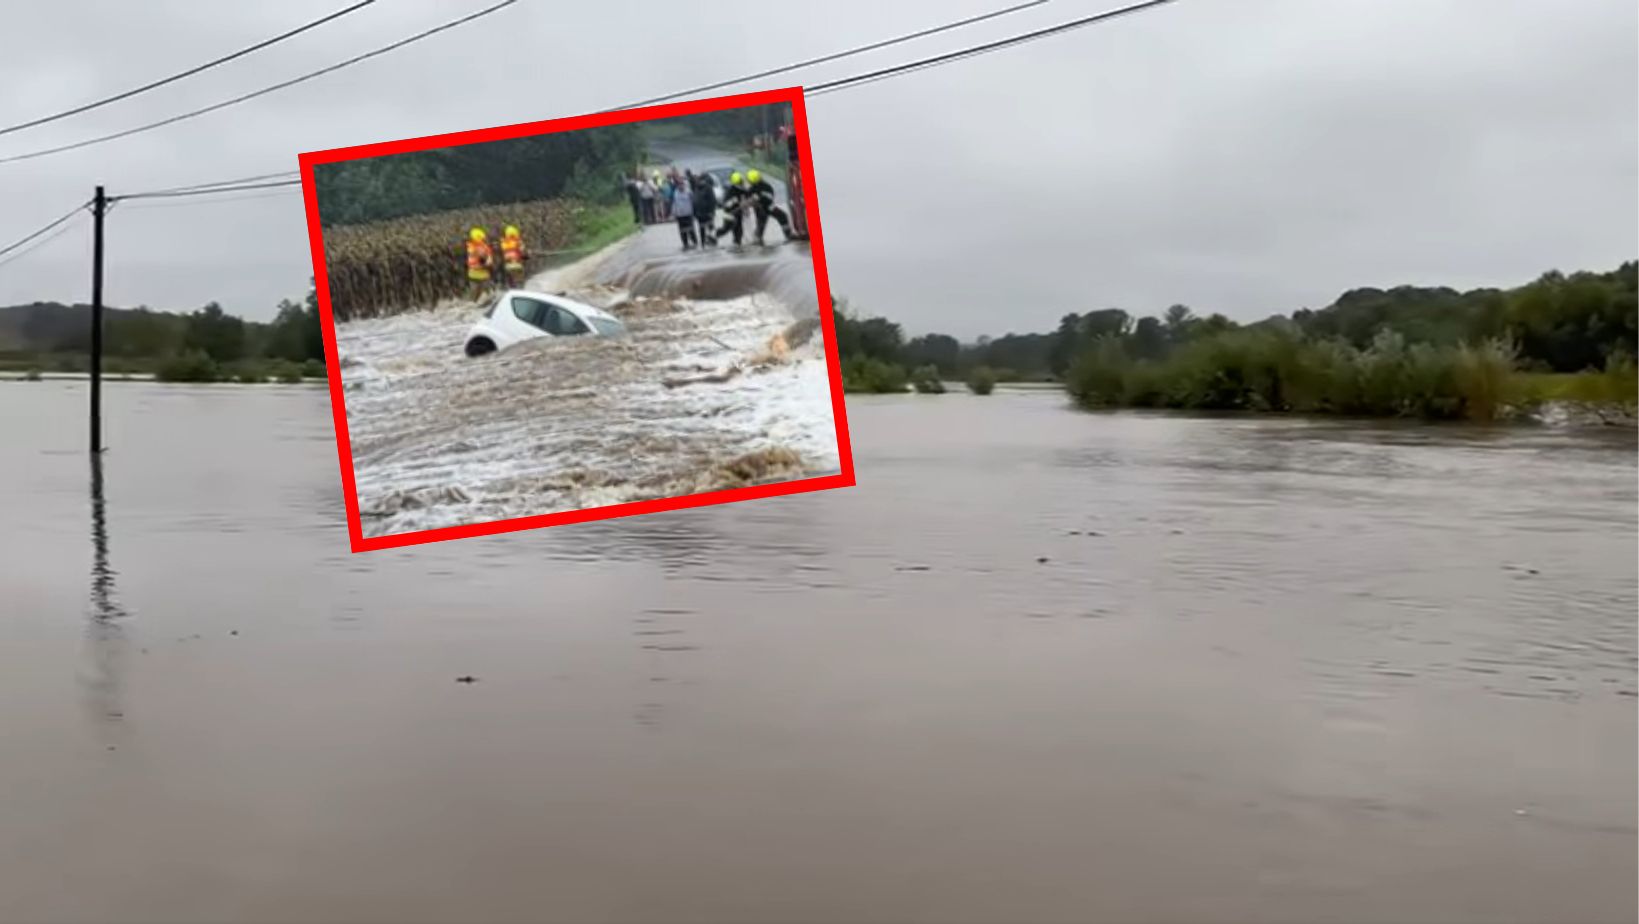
(794, 188)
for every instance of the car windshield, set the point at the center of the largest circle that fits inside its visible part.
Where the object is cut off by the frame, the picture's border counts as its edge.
(607, 327)
(490, 311)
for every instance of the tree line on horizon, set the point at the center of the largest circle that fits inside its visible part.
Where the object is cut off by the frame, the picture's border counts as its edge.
(581, 165)
(204, 345)
(1558, 323)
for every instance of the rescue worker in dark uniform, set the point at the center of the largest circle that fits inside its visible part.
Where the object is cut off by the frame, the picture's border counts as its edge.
(634, 196)
(705, 210)
(736, 199)
(762, 200)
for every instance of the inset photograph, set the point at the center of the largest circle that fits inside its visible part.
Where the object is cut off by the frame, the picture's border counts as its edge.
(577, 319)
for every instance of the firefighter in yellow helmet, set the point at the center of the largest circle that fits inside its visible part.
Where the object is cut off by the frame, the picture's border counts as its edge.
(762, 202)
(513, 255)
(736, 199)
(480, 260)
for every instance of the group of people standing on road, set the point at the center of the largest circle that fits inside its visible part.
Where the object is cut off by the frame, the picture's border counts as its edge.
(691, 201)
(651, 196)
(481, 260)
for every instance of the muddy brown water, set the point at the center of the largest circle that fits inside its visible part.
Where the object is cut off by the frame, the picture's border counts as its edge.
(442, 439)
(1038, 666)
(784, 273)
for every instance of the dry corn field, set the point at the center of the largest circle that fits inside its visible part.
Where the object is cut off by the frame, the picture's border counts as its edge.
(388, 267)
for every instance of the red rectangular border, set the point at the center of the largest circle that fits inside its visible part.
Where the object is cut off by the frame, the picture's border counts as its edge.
(344, 453)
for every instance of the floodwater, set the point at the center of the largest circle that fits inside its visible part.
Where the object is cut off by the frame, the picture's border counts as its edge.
(721, 382)
(1038, 666)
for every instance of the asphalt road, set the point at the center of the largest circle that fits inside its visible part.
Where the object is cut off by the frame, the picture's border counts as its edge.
(692, 155)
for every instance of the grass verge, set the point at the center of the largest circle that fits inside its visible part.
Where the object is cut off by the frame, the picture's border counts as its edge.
(598, 226)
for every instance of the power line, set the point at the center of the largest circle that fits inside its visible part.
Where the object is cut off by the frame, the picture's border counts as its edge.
(249, 183)
(860, 49)
(187, 203)
(836, 56)
(262, 92)
(36, 245)
(975, 50)
(171, 194)
(187, 73)
(234, 182)
(24, 240)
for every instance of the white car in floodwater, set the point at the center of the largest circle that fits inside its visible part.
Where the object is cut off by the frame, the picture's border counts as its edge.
(517, 315)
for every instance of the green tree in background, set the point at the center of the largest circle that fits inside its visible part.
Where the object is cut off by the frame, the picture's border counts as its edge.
(1431, 351)
(1149, 339)
(587, 163)
(144, 333)
(737, 124)
(216, 334)
(940, 351)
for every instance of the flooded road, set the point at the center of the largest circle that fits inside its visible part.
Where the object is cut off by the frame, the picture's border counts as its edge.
(441, 439)
(1038, 666)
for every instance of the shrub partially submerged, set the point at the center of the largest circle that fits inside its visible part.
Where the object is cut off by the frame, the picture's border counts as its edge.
(1279, 371)
(192, 366)
(926, 381)
(872, 376)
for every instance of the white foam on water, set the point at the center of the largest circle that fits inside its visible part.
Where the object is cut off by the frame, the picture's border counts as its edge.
(440, 439)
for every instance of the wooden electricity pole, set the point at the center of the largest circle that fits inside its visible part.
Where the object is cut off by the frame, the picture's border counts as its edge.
(99, 205)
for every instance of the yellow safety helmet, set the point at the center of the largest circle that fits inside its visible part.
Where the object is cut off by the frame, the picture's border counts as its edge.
(511, 231)
(735, 179)
(477, 234)
(754, 176)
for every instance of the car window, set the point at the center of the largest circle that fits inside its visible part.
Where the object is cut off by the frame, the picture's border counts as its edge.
(493, 304)
(562, 323)
(531, 311)
(608, 327)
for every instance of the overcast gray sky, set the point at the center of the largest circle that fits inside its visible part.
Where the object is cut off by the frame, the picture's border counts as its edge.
(1242, 156)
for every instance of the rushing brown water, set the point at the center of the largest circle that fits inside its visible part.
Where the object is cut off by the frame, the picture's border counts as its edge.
(1038, 666)
(443, 439)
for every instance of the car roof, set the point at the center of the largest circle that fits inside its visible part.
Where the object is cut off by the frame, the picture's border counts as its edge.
(563, 301)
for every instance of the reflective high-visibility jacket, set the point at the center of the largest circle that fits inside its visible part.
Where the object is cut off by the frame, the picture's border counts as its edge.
(512, 252)
(479, 261)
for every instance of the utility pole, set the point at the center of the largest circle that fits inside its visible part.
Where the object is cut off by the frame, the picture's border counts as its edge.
(99, 205)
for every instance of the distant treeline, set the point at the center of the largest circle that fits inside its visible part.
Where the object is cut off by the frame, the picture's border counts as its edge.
(206, 345)
(737, 125)
(1338, 358)
(583, 165)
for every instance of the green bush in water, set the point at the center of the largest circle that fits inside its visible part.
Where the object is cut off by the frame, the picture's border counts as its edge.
(249, 372)
(1484, 380)
(981, 381)
(873, 376)
(1098, 377)
(285, 372)
(1275, 370)
(192, 366)
(926, 381)
(313, 369)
